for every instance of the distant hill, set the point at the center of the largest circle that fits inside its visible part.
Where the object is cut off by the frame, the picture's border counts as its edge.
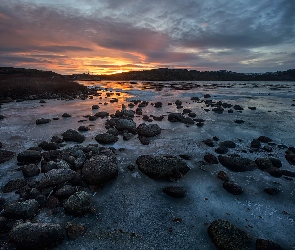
(165, 74)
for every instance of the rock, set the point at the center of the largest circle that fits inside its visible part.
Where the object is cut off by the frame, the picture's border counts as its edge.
(158, 105)
(218, 110)
(290, 155)
(74, 230)
(106, 138)
(2, 117)
(175, 191)
(3, 224)
(148, 130)
(47, 146)
(175, 117)
(275, 172)
(252, 108)
(272, 191)
(239, 121)
(57, 139)
(138, 111)
(100, 168)
(2, 203)
(228, 144)
(185, 157)
(131, 167)
(55, 177)
(95, 107)
(42, 101)
(113, 131)
(209, 142)
(144, 140)
(211, 159)
(232, 188)
(65, 192)
(222, 176)
(263, 163)
(14, 185)
(264, 139)
(21, 210)
(83, 128)
(30, 170)
(237, 107)
(36, 235)
(125, 124)
(186, 111)
(48, 166)
(227, 236)
(29, 156)
(221, 150)
(127, 136)
(178, 102)
(267, 148)
(78, 204)
(288, 173)
(207, 96)
(195, 98)
(5, 155)
(66, 115)
(237, 164)
(255, 143)
(162, 167)
(42, 121)
(73, 135)
(262, 244)
(1, 145)
(102, 114)
(52, 202)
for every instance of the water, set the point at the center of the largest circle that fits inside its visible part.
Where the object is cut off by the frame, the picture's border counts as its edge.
(132, 211)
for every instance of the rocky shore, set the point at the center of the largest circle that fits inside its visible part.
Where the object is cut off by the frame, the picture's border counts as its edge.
(60, 176)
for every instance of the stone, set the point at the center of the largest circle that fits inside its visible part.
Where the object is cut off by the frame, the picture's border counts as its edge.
(30, 170)
(106, 138)
(262, 244)
(21, 210)
(264, 139)
(255, 143)
(42, 121)
(148, 130)
(232, 188)
(36, 235)
(66, 115)
(221, 150)
(275, 172)
(95, 107)
(5, 155)
(237, 164)
(55, 177)
(222, 176)
(162, 167)
(78, 204)
(14, 185)
(102, 114)
(209, 142)
(211, 159)
(47, 146)
(175, 191)
(65, 192)
(227, 236)
(272, 191)
(227, 144)
(29, 156)
(125, 124)
(83, 129)
(73, 135)
(144, 140)
(263, 163)
(74, 230)
(100, 168)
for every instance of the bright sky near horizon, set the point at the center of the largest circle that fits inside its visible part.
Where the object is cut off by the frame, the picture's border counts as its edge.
(109, 36)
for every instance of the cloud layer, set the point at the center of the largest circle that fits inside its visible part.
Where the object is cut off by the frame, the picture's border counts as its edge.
(111, 35)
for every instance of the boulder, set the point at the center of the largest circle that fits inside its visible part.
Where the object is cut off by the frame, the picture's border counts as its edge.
(30, 170)
(42, 121)
(237, 164)
(73, 135)
(175, 191)
(126, 124)
(47, 146)
(162, 167)
(78, 204)
(232, 188)
(36, 235)
(211, 159)
(262, 244)
(263, 163)
(264, 139)
(83, 128)
(21, 210)
(106, 138)
(227, 236)
(74, 230)
(102, 114)
(14, 185)
(29, 156)
(222, 176)
(66, 115)
(65, 192)
(144, 140)
(55, 177)
(221, 150)
(100, 168)
(148, 130)
(227, 144)
(272, 191)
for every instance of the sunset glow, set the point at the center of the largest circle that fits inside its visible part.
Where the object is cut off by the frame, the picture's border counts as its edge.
(106, 37)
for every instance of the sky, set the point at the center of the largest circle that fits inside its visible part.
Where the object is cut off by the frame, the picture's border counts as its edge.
(111, 36)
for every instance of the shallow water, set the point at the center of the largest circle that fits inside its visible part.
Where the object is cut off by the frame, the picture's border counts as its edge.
(134, 203)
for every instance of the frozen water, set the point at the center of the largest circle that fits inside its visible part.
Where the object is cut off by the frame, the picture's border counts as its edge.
(132, 211)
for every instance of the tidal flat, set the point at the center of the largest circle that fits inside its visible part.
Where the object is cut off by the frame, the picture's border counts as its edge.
(234, 142)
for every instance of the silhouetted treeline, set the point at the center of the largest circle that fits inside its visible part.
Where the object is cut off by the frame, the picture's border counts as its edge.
(164, 74)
